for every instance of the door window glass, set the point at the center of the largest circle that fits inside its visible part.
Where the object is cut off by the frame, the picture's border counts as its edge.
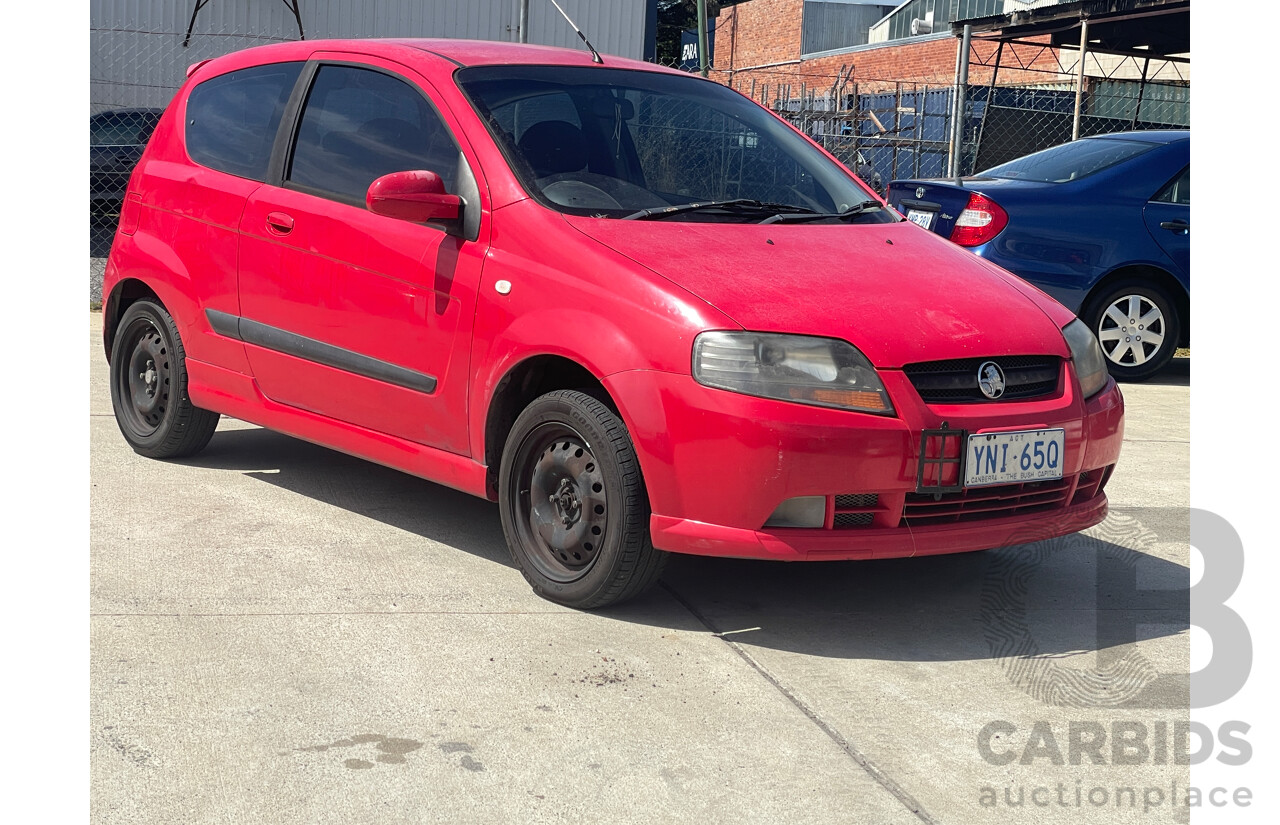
(360, 124)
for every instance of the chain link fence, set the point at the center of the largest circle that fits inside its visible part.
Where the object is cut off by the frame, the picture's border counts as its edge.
(886, 129)
(883, 128)
(134, 71)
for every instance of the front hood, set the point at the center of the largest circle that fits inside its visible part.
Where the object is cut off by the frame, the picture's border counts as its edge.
(895, 291)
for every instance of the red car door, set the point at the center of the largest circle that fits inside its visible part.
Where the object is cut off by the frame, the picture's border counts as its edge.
(356, 316)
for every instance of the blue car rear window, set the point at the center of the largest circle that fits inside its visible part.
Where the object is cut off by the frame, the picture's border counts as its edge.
(1070, 161)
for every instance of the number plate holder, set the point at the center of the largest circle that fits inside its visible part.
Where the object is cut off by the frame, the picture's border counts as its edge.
(941, 450)
(1014, 457)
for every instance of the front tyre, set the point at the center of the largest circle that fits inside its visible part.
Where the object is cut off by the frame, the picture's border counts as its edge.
(149, 386)
(574, 508)
(1138, 326)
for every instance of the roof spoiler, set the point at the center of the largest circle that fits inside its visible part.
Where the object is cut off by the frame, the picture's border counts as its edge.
(195, 66)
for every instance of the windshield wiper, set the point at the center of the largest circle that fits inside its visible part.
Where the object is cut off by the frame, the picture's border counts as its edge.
(735, 205)
(856, 209)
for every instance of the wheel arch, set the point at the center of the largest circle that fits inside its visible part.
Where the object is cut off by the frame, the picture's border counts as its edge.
(1146, 272)
(124, 294)
(523, 382)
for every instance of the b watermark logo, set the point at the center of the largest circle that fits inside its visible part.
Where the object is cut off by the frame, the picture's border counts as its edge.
(1096, 622)
(1121, 675)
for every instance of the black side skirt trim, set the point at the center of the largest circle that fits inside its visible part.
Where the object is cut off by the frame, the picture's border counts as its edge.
(309, 349)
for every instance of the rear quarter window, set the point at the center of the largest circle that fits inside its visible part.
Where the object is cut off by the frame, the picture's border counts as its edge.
(1177, 190)
(232, 119)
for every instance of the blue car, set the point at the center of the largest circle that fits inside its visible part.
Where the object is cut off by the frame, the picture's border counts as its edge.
(1102, 224)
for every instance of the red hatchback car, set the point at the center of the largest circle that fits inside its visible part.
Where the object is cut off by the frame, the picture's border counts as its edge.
(642, 313)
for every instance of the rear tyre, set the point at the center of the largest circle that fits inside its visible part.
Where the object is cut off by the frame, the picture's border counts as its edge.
(574, 508)
(1138, 326)
(149, 386)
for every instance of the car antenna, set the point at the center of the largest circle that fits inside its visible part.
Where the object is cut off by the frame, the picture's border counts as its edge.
(595, 55)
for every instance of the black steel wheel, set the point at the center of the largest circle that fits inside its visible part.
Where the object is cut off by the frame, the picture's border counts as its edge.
(574, 509)
(149, 386)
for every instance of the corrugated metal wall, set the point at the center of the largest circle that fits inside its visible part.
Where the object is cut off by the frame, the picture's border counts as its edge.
(1160, 103)
(136, 57)
(612, 26)
(897, 25)
(828, 26)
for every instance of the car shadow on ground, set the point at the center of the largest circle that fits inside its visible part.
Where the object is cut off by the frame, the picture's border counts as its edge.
(380, 493)
(1035, 600)
(1177, 373)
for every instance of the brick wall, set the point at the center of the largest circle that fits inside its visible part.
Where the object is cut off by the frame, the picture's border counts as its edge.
(759, 32)
(752, 38)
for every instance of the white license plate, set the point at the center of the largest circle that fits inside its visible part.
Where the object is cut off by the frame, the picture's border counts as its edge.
(920, 217)
(1013, 457)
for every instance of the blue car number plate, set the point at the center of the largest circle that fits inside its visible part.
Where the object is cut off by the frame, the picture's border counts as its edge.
(920, 217)
(1014, 457)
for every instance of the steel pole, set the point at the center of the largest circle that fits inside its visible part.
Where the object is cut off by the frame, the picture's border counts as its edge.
(991, 97)
(1084, 51)
(957, 112)
(524, 21)
(1146, 64)
(702, 37)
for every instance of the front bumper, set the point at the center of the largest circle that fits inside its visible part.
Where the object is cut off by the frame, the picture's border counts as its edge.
(717, 464)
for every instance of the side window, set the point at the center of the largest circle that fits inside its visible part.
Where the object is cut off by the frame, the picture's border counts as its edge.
(358, 125)
(1177, 190)
(232, 119)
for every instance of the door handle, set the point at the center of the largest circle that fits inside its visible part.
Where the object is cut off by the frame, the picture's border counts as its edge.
(1179, 226)
(280, 223)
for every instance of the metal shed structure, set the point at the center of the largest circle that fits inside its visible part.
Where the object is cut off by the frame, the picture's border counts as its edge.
(139, 49)
(1132, 34)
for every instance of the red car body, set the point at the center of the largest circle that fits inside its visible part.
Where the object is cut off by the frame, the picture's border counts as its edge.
(541, 292)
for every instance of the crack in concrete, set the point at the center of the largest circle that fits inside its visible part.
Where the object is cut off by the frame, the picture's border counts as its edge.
(879, 776)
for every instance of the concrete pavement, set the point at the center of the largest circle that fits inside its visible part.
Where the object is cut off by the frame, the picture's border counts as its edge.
(281, 633)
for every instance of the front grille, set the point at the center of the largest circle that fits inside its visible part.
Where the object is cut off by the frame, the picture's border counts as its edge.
(978, 503)
(956, 382)
(855, 510)
(843, 520)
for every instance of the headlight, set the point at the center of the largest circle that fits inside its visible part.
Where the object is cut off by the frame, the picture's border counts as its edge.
(1091, 365)
(825, 372)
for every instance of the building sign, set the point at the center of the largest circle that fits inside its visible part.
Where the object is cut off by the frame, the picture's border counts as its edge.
(689, 49)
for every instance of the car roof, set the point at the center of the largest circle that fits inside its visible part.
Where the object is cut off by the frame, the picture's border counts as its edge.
(1153, 136)
(463, 53)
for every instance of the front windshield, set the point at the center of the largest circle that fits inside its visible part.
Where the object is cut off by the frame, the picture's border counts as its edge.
(617, 143)
(1070, 161)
